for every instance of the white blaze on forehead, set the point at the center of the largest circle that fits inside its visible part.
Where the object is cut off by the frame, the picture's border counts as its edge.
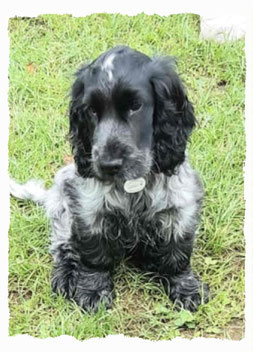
(108, 66)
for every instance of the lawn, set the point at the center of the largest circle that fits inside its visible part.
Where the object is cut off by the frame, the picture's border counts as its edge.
(44, 53)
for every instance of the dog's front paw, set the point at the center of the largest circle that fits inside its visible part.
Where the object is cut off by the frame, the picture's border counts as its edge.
(90, 300)
(188, 293)
(64, 281)
(93, 289)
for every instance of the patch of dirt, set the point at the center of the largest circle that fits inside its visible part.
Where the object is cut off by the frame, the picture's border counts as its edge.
(235, 330)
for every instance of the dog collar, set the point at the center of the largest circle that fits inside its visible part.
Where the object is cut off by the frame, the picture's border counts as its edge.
(134, 186)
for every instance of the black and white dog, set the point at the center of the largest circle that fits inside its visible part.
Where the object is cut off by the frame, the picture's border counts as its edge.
(131, 192)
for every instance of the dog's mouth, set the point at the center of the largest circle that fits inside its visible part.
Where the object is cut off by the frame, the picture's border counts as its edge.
(133, 171)
(125, 164)
(109, 175)
(130, 184)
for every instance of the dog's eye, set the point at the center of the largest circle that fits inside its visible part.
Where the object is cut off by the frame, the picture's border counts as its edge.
(135, 106)
(93, 111)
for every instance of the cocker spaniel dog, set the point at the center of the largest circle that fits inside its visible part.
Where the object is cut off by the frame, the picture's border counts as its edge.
(131, 192)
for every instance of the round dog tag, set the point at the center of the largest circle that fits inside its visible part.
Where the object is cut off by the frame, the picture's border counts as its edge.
(134, 186)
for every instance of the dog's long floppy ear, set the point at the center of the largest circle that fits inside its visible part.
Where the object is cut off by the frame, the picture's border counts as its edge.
(173, 116)
(79, 129)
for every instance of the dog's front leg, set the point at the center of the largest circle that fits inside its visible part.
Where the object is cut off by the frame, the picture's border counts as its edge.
(82, 272)
(186, 290)
(170, 258)
(183, 286)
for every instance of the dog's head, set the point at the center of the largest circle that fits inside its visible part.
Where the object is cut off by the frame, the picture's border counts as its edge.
(129, 114)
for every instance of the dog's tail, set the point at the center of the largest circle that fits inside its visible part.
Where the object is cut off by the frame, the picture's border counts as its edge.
(33, 190)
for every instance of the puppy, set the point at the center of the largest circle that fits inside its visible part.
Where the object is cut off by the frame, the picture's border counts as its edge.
(131, 192)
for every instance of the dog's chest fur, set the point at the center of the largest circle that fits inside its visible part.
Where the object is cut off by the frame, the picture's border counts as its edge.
(167, 206)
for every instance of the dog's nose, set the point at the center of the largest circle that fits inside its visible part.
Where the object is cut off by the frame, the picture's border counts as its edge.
(111, 167)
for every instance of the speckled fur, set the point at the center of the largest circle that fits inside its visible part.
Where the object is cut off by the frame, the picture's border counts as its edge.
(95, 223)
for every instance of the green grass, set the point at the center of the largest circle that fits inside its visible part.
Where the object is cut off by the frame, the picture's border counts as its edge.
(44, 53)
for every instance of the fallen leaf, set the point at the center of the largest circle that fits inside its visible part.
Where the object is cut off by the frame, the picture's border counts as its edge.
(68, 159)
(31, 67)
(210, 261)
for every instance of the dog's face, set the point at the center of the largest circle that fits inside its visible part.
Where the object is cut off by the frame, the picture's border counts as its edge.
(119, 104)
(129, 114)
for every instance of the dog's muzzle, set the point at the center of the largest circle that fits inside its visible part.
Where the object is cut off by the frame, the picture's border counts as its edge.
(110, 167)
